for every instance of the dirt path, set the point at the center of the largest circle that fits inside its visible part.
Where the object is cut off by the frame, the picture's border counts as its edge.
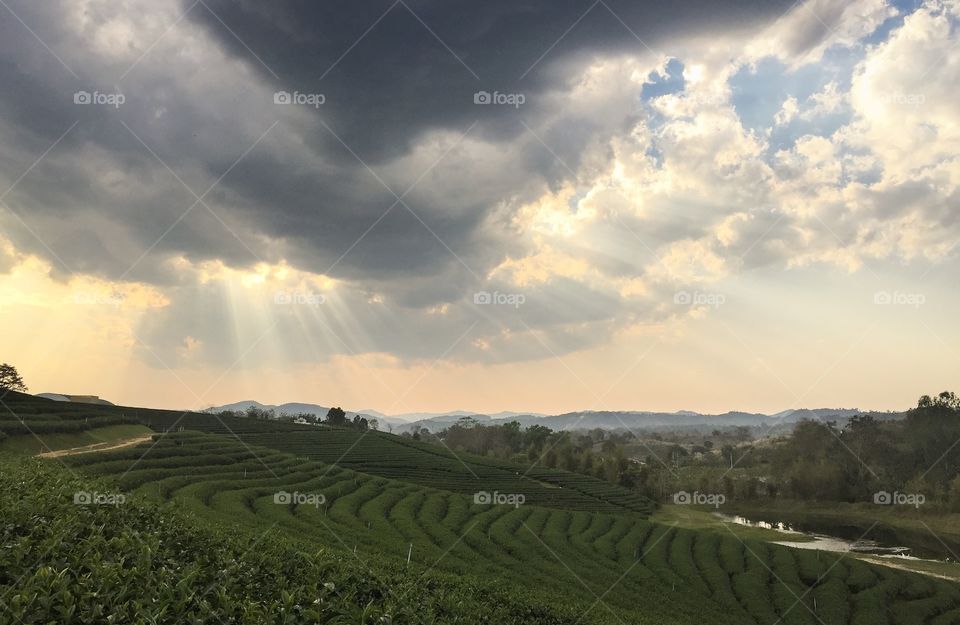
(86, 449)
(901, 567)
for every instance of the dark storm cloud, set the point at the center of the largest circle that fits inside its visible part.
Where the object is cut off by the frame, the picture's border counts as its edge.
(383, 92)
(392, 69)
(117, 194)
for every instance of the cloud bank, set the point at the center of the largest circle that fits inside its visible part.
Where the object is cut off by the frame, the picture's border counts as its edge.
(386, 207)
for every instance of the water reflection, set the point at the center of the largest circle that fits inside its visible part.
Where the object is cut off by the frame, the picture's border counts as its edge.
(823, 542)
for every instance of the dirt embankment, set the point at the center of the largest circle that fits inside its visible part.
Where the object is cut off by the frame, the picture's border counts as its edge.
(86, 449)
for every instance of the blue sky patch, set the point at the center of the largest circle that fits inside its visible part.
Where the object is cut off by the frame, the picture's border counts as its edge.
(657, 85)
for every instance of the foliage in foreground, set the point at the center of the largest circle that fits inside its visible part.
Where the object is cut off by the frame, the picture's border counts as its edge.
(137, 562)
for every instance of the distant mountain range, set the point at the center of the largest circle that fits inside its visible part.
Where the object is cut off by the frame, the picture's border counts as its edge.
(610, 420)
(453, 414)
(299, 408)
(403, 419)
(607, 420)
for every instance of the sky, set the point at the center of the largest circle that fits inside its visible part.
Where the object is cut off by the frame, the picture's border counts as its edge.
(426, 205)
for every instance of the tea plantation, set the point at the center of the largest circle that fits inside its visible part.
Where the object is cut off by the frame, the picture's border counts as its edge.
(375, 453)
(248, 522)
(626, 568)
(143, 564)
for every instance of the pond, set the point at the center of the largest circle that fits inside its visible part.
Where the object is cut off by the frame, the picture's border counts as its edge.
(882, 542)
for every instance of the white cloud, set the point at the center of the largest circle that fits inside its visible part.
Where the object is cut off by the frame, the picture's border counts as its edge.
(601, 209)
(809, 28)
(787, 112)
(828, 101)
(904, 95)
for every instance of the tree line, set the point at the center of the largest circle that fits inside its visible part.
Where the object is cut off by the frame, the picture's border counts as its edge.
(336, 417)
(917, 454)
(597, 452)
(818, 460)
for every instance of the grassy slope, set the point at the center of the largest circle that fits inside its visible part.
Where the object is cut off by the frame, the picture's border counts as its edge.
(943, 570)
(143, 563)
(376, 453)
(556, 560)
(539, 551)
(645, 572)
(32, 445)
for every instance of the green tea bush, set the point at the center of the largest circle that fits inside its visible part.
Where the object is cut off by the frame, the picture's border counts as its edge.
(140, 563)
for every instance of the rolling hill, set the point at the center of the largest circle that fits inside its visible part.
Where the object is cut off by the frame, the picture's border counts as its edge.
(252, 519)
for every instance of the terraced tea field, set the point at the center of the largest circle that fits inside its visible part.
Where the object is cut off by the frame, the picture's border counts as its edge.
(577, 544)
(614, 564)
(407, 460)
(21, 415)
(146, 563)
(374, 453)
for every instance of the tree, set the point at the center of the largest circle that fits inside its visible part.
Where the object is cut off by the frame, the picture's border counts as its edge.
(727, 451)
(536, 436)
(254, 412)
(10, 380)
(946, 399)
(336, 416)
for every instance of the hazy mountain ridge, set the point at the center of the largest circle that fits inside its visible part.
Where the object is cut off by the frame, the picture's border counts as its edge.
(612, 420)
(608, 420)
(402, 419)
(290, 408)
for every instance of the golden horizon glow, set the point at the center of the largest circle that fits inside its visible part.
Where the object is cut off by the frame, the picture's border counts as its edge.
(89, 346)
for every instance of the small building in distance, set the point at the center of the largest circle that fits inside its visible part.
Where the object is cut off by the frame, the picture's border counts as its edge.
(80, 399)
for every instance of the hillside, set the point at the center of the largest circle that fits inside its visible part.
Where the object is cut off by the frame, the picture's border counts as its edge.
(375, 453)
(141, 562)
(677, 576)
(270, 512)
